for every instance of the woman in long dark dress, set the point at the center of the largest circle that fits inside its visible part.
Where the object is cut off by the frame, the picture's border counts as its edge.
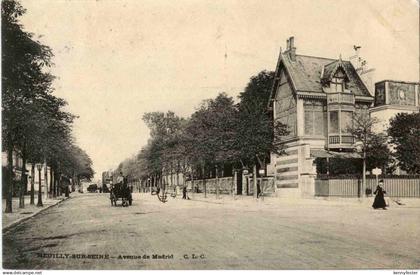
(379, 201)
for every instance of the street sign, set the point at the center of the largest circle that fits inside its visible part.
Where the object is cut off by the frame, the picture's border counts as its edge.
(376, 171)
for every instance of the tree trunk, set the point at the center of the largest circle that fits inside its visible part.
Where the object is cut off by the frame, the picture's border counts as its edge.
(364, 172)
(67, 191)
(33, 184)
(55, 184)
(73, 180)
(9, 186)
(254, 179)
(23, 181)
(161, 182)
(39, 190)
(192, 184)
(217, 183)
(46, 179)
(234, 181)
(51, 182)
(59, 185)
(150, 184)
(204, 181)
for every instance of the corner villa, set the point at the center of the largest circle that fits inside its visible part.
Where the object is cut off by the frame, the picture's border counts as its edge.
(316, 98)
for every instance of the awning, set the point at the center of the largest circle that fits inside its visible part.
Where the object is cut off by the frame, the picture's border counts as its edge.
(332, 154)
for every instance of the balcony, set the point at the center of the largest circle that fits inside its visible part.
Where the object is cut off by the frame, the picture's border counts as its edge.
(340, 98)
(336, 141)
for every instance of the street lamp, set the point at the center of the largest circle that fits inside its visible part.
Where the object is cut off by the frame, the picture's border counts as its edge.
(39, 167)
(360, 147)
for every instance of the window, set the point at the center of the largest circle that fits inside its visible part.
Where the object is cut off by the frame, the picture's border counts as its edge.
(337, 84)
(315, 119)
(320, 122)
(333, 122)
(346, 121)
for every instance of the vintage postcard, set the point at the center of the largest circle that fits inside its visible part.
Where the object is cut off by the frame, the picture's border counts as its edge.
(210, 135)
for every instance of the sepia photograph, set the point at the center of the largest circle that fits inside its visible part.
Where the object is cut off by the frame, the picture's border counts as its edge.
(210, 135)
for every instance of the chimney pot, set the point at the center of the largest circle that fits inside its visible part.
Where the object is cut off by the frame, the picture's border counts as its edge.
(291, 50)
(291, 42)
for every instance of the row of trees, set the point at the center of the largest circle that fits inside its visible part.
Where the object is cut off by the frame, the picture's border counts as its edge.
(34, 123)
(220, 135)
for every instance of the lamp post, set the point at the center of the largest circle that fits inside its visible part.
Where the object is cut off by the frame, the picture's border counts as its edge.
(261, 172)
(360, 147)
(39, 167)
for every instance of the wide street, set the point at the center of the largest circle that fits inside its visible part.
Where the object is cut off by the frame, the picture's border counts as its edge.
(242, 234)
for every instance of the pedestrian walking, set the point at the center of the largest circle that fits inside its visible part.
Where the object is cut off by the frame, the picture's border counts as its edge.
(380, 192)
(258, 189)
(184, 193)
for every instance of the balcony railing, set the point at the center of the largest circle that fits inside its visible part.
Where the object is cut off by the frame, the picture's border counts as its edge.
(334, 140)
(339, 98)
(340, 141)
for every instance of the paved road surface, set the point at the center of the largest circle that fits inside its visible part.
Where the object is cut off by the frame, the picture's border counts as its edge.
(246, 235)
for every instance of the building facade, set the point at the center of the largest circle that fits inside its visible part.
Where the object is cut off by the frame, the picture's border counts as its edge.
(17, 174)
(393, 97)
(316, 98)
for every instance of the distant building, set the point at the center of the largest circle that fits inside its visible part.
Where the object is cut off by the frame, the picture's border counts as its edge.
(316, 98)
(107, 179)
(17, 173)
(393, 97)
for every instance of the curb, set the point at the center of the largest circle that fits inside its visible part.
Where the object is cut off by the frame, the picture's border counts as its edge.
(16, 223)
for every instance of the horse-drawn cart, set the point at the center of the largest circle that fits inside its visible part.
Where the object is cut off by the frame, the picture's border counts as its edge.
(120, 191)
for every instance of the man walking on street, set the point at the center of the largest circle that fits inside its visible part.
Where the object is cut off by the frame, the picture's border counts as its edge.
(184, 193)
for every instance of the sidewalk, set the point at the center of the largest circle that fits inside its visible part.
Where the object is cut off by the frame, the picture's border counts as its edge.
(278, 201)
(21, 214)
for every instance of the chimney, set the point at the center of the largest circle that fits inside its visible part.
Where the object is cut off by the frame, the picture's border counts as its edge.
(291, 50)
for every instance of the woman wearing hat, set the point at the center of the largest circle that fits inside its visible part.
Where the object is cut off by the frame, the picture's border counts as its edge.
(379, 201)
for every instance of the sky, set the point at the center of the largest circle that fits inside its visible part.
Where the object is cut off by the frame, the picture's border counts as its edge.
(115, 60)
